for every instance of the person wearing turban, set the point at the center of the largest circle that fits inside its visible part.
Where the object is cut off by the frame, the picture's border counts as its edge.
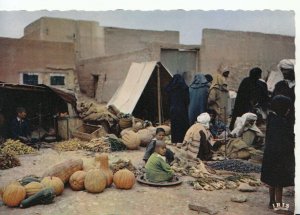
(198, 140)
(286, 87)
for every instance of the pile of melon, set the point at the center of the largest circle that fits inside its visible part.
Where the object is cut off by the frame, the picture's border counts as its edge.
(31, 191)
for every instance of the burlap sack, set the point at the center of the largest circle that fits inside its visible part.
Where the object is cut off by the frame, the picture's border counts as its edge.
(146, 135)
(166, 128)
(131, 140)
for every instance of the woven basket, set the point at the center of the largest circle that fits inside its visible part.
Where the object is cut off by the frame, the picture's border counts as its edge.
(125, 123)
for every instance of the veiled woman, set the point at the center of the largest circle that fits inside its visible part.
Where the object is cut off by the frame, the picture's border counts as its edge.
(178, 95)
(198, 97)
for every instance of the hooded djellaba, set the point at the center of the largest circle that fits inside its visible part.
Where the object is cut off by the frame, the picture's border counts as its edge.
(218, 94)
(198, 97)
(178, 95)
(251, 93)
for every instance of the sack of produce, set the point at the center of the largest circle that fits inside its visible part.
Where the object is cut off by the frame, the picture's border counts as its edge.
(131, 140)
(145, 135)
(166, 128)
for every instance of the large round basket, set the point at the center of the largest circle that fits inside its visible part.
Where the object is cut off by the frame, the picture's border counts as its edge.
(125, 123)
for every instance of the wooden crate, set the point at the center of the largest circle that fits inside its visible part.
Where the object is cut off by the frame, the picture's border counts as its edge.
(88, 132)
(66, 125)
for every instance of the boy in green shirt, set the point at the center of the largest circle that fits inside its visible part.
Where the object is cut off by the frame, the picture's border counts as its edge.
(157, 169)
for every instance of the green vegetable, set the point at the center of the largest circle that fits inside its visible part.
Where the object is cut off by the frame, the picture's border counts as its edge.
(45, 196)
(28, 179)
(116, 144)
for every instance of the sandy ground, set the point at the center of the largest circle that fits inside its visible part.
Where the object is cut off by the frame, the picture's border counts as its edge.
(140, 200)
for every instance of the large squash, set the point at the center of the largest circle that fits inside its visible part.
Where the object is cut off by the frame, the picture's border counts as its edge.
(131, 140)
(77, 180)
(33, 188)
(45, 196)
(54, 182)
(65, 169)
(95, 181)
(105, 168)
(14, 195)
(28, 179)
(97, 160)
(124, 179)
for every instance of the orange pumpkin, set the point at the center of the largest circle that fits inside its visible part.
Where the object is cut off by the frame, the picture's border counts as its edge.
(14, 195)
(105, 168)
(77, 180)
(124, 179)
(33, 187)
(95, 181)
(54, 182)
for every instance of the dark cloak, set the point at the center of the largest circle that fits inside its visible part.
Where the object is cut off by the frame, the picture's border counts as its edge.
(278, 166)
(282, 88)
(198, 97)
(178, 95)
(249, 93)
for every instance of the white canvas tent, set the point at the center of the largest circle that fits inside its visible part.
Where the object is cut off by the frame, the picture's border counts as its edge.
(142, 88)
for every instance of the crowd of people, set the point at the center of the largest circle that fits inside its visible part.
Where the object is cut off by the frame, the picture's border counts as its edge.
(200, 124)
(199, 120)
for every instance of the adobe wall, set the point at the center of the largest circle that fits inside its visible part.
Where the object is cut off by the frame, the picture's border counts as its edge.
(241, 51)
(87, 35)
(112, 72)
(18, 55)
(120, 40)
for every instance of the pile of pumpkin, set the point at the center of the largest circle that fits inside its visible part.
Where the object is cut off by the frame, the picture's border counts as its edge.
(31, 191)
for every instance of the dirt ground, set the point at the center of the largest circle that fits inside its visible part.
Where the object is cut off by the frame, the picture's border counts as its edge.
(140, 200)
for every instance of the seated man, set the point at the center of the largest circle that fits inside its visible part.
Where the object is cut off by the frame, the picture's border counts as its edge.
(19, 127)
(216, 127)
(245, 127)
(198, 140)
(157, 169)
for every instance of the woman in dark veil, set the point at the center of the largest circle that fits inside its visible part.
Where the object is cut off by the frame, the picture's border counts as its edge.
(178, 94)
(278, 165)
(248, 95)
(198, 97)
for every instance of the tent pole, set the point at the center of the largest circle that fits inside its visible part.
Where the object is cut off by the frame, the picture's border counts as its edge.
(158, 95)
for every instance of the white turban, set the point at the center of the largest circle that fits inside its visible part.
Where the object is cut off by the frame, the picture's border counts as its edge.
(241, 124)
(287, 64)
(204, 119)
